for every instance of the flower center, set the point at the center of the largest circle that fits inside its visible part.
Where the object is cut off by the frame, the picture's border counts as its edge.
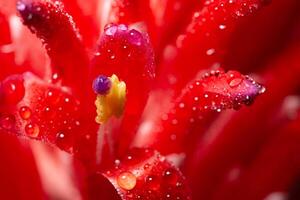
(111, 97)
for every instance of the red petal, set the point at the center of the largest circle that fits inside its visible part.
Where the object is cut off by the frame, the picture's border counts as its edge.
(50, 22)
(203, 43)
(262, 36)
(275, 168)
(213, 93)
(245, 130)
(86, 22)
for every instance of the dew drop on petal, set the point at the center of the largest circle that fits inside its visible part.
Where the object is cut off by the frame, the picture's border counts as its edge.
(222, 26)
(25, 112)
(7, 121)
(126, 180)
(210, 52)
(170, 176)
(152, 182)
(55, 78)
(64, 141)
(111, 30)
(13, 90)
(32, 130)
(235, 79)
(235, 82)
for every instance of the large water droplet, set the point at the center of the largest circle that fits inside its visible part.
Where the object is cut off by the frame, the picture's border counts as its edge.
(64, 141)
(7, 121)
(126, 180)
(25, 112)
(110, 30)
(235, 82)
(32, 130)
(235, 79)
(13, 90)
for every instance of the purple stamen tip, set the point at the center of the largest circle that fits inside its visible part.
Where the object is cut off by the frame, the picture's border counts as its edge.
(101, 85)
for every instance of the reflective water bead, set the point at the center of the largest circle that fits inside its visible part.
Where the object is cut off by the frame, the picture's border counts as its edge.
(25, 112)
(152, 182)
(32, 130)
(170, 176)
(64, 141)
(126, 180)
(7, 121)
(13, 90)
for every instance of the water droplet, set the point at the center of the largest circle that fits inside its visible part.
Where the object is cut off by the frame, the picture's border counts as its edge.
(67, 100)
(173, 137)
(13, 90)
(52, 96)
(25, 112)
(262, 90)
(170, 176)
(174, 121)
(21, 6)
(126, 180)
(222, 26)
(32, 130)
(146, 166)
(235, 82)
(110, 30)
(136, 37)
(210, 52)
(7, 121)
(152, 182)
(64, 141)
(196, 14)
(181, 105)
(235, 79)
(55, 78)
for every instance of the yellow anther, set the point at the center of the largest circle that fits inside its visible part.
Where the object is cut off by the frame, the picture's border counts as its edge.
(112, 103)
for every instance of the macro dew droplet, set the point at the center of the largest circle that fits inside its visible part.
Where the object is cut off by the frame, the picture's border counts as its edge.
(25, 112)
(170, 176)
(32, 130)
(235, 79)
(126, 180)
(235, 82)
(7, 121)
(152, 182)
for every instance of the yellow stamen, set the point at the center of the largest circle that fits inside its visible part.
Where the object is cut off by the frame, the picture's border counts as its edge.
(111, 104)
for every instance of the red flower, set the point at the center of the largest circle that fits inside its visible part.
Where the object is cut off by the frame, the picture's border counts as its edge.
(146, 99)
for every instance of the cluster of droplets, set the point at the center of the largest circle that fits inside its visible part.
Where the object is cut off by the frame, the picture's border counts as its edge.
(46, 17)
(220, 14)
(125, 52)
(57, 116)
(151, 178)
(43, 112)
(214, 92)
(11, 92)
